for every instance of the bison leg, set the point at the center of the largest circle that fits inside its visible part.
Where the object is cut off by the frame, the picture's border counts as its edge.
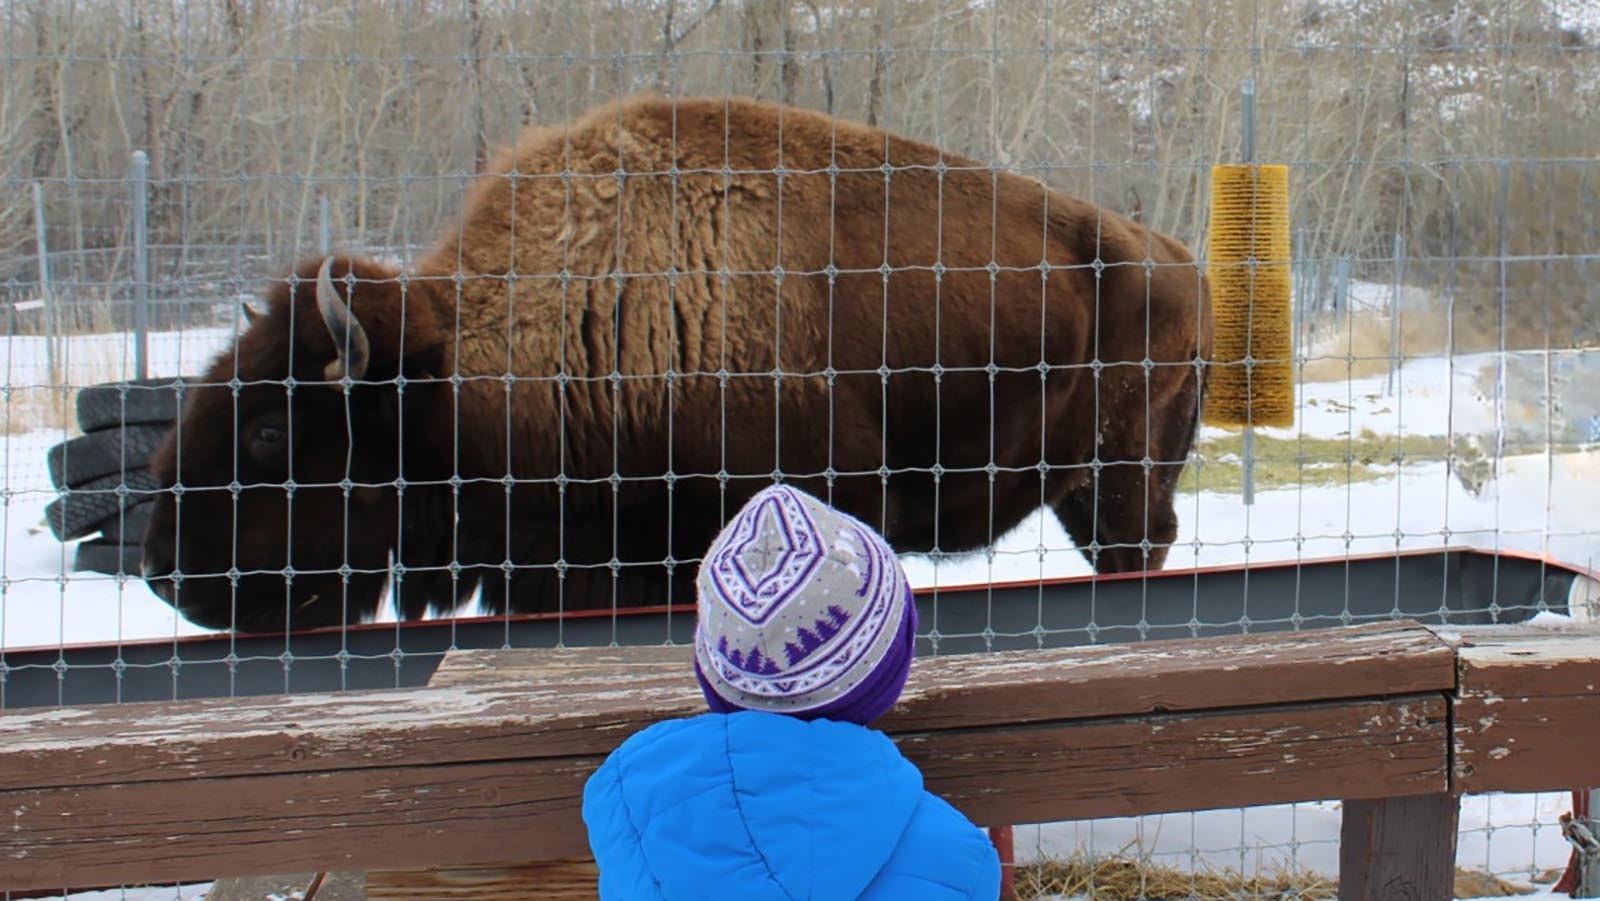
(607, 548)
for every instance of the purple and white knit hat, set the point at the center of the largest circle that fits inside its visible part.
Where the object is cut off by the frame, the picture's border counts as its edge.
(803, 610)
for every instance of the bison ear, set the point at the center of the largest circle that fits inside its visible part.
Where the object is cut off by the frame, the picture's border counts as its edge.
(251, 315)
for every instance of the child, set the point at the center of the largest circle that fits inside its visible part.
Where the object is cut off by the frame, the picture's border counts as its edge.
(805, 633)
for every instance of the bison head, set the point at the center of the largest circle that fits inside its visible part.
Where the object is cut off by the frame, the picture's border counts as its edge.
(281, 480)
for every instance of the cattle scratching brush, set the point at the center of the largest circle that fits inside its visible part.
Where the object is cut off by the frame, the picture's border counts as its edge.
(1251, 376)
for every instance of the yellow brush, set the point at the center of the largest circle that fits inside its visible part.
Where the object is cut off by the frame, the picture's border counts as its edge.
(1250, 382)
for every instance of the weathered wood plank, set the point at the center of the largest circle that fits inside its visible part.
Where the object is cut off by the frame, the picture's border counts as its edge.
(529, 809)
(1398, 849)
(527, 705)
(571, 878)
(574, 667)
(1525, 718)
(1162, 764)
(1368, 660)
(248, 825)
(553, 880)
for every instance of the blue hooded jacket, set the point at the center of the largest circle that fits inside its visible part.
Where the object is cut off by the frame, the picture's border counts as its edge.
(756, 806)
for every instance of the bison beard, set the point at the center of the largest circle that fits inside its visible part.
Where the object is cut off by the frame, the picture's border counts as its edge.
(663, 308)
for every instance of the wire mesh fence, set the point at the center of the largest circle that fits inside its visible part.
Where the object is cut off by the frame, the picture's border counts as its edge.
(557, 371)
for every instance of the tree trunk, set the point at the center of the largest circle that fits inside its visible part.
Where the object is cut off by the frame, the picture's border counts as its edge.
(789, 68)
(480, 144)
(48, 142)
(880, 62)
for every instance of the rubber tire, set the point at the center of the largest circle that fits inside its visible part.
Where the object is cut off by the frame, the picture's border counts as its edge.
(111, 559)
(76, 462)
(84, 508)
(129, 527)
(147, 401)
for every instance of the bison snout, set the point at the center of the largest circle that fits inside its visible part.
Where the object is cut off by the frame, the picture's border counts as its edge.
(158, 566)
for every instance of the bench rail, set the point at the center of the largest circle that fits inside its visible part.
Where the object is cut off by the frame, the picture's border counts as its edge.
(486, 764)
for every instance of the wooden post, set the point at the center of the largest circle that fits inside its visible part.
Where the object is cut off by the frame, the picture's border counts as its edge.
(1006, 848)
(1398, 848)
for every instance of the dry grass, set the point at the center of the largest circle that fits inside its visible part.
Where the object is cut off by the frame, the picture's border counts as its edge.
(1359, 346)
(1125, 879)
(1311, 462)
(33, 397)
(24, 410)
(1131, 879)
(1470, 884)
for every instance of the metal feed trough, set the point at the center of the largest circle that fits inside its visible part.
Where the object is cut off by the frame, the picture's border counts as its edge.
(1448, 587)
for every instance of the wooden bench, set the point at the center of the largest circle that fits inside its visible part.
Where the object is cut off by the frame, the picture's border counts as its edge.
(485, 766)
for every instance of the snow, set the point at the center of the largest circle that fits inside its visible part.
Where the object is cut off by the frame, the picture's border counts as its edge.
(1509, 407)
(196, 892)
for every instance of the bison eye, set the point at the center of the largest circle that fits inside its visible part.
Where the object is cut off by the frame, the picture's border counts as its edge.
(267, 440)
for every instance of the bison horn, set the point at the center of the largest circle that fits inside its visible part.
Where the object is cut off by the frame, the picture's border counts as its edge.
(342, 325)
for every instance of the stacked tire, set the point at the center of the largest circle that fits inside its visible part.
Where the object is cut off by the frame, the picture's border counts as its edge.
(104, 474)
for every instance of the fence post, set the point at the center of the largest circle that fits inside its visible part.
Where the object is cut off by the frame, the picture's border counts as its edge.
(1247, 117)
(1394, 312)
(1401, 847)
(139, 184)
(42, 244)
(1341, 285)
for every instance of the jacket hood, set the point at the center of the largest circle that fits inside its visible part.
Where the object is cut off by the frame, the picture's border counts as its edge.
(749, 805)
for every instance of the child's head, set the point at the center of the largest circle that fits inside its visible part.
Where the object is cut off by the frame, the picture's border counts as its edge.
(803, 610)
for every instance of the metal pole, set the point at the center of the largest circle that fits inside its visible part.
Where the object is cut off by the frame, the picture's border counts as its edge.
(1247, 117)
(1341, 284)
(140, 185)
(1394, 312)
(1582, 829)
(42, 245)
(1297, 291)
(1589, 875)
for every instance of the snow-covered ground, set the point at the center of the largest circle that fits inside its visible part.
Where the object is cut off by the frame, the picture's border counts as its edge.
(1535, 498)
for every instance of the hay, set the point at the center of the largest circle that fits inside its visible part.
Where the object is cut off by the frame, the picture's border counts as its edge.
(1125, 879)
(1130, 879)
(1470, 884)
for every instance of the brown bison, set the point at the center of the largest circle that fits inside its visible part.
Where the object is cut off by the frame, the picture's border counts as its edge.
(641, 318)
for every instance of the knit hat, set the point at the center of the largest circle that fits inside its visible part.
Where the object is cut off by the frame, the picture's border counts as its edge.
(803, 610)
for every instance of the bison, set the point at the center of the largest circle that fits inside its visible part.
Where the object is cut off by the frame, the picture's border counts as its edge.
(642, 317)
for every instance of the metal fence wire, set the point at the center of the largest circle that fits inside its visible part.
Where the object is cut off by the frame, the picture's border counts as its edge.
(516, 428)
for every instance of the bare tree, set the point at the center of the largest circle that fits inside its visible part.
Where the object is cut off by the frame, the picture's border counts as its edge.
(249, 107)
